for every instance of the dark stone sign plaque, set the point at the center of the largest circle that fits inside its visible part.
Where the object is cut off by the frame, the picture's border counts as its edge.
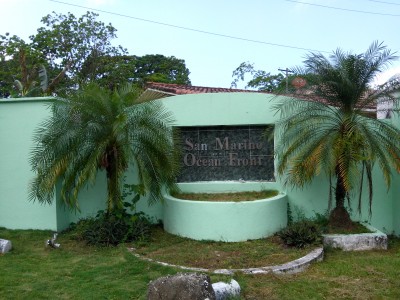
(221, 153)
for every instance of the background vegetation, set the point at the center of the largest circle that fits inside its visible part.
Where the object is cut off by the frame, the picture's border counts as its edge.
(69, 51)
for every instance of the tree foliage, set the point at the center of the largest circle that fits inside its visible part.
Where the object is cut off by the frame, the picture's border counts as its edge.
(21, 67)
(66, 42)
(110, 71)
(68, 52)
(332, 134)
(54, 55)
(160, 68)
(97, 129)
(261, 80)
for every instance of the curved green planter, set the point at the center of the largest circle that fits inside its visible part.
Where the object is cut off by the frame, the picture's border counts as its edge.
(225, 221)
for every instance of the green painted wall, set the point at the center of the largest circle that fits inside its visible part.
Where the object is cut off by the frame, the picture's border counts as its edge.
(222, 109)
(226, 187)
(19, 118)
(396, 207)
(225, 221)
(254, 109)
(395, 191)
(244, 109)
(93, 198)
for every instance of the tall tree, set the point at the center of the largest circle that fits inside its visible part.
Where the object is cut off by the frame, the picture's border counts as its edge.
(110, 71)
(60, 48)
(70, 51)
(21, 71)
(99, 129)
(107, 71)
(66, 42)
(332, 133)
(160, 68)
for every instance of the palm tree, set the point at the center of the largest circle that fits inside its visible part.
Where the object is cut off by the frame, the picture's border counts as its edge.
(98, 129)
(331, 130)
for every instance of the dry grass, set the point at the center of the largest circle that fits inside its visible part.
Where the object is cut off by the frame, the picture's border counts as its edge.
(231, 197)
(217, 255)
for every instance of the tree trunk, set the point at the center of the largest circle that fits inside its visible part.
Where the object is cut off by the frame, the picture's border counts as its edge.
(112, 182)
(339, 217)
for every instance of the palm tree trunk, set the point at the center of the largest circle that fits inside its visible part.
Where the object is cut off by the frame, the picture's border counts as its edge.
(112, 182)
(112, 190)
(339, 217)
(340, 193)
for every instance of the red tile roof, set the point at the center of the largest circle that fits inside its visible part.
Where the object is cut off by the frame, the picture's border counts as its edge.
(171, 89)
(180, 89)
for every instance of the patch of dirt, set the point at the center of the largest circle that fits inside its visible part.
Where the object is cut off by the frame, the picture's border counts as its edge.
(340, 219)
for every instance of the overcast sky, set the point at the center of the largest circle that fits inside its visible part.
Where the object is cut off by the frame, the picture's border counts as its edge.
(272, 34)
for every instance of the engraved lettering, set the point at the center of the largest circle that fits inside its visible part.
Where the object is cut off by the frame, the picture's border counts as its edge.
(225, 154)
(189, 159)
(232, 159)
(189, 144)
(221, 145)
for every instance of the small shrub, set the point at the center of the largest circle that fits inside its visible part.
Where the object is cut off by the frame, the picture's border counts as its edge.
(116, 227)
(112, 229)
(322, 220)
(301, 234)
(298, 213)
(289, 214)
(77, 230)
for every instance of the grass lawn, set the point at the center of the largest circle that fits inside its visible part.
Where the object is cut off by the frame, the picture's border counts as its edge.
(75, 271)
(212, 255)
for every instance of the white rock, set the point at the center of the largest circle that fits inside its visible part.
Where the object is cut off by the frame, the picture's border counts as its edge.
(225, 290)
(5, 246)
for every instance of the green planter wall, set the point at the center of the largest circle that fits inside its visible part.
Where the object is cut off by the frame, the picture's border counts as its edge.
(225, 221)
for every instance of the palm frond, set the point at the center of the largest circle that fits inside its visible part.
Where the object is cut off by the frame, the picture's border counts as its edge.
(336, 136)
(98, 129)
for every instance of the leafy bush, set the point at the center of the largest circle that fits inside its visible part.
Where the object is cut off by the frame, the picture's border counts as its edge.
(289, 214)
(301, 234)
(113, 228)
(78, 229)
(322, 220)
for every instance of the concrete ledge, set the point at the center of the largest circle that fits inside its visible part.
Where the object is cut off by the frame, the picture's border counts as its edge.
(299, 265)
(357, 242)
(295, 266)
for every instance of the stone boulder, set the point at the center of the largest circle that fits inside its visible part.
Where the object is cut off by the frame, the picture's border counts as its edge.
(5, 246)
(182, 286)
(226, 290)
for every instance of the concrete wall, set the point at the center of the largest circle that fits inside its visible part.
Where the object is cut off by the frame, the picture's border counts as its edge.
(225, 221)
(395, 192)
(257, 109)
(19, 118)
